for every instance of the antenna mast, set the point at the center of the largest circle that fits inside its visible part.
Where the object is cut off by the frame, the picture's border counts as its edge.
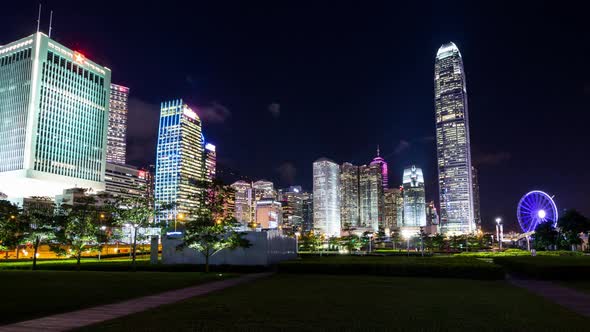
(50, 19)
(39, 18)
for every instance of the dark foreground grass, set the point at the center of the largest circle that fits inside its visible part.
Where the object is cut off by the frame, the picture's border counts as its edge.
(338, 303)
(580, 285)
(31, 294)
(441, 267)
(547, 267)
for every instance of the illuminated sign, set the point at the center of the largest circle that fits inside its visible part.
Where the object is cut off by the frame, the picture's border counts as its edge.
(210, 147)
(79, 57)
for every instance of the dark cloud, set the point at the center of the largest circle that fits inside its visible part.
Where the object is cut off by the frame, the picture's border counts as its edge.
(141, 139)
(275, 109)
(287, 171)
(490, 158)
(401, 146)
(214, 113)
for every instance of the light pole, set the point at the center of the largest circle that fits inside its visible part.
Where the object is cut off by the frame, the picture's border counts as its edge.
(178, 216)
(499, 231)
(297, 235)
(407, 234)
(370, 240)
(103, 228)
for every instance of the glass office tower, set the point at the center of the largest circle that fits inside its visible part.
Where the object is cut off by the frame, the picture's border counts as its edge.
(414, 198)
(117, 132)
(452, 142)
(326, 197)
(179, 159)
(54, 108)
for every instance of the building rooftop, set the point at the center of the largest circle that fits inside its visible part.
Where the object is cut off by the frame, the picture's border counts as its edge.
(446, 50)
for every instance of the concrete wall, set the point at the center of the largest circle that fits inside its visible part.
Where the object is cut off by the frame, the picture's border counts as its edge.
(266, 248)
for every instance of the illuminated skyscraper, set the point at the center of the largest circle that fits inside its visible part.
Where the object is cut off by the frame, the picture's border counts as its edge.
(476, 202)
(371, 196)
(243, 202)
(117, 132)
(452, 142)
(179, 158)
(54, 107)
(349, 195)
(391, 199)
(383, 164)
(326, 197)
(414, 198)
(126, 181)
(210, 161)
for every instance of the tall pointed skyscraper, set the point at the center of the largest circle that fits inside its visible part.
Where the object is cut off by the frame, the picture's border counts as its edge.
(383, 164)
(452, 142)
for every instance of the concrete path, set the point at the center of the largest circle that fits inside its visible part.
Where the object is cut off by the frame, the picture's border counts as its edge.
(571, 299)
(76, 319)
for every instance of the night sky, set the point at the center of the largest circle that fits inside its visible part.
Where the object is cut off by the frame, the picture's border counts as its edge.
(281, 84)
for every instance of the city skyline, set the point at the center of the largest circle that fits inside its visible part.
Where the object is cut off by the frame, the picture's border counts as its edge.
(377, 95)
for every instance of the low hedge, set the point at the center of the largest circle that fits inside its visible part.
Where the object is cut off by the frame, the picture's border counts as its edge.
(547, 267)
(125, 266)
(517, 252)
(448, 267)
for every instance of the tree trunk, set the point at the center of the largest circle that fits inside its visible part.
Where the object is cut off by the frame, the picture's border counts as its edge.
(134, 248)
(36, 245)
(207, 263)
(17, 250)
(78, 258)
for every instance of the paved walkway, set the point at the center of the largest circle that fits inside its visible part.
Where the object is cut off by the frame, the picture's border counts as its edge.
(76, 319)
(576, 301)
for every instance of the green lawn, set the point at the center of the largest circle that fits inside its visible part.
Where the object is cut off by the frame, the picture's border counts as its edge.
(30, 294)
(320, 302)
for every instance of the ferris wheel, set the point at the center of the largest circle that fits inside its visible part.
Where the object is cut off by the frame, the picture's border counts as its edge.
(534, 208)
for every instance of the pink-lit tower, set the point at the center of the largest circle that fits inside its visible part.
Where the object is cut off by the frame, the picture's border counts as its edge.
(381, 162)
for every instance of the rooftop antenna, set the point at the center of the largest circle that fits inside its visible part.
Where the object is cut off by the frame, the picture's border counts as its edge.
(377, 150)
(50, 20)
(39, 18)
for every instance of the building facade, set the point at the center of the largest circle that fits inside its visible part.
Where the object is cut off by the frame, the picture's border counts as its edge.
(126, 181)
(391, 199)
(349, 195)
(179, 159)
(307, 211)
(210, 161)
(269, 213)
(414, 198)
(243, 202)
(117, 132)
(476, 201)
(54, 106)
(452, 142)
(371, 196)
(326, 197)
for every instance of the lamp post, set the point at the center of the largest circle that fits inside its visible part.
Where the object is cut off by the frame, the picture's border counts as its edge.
(370, 236)
(103, 229)
(176, 217)
(297, 235)
(499, 231)
(407, 234)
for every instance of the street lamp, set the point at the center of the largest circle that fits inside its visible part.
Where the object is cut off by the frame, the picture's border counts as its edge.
(407, 234)
(499, 231)
(370, 236)
(178, 216)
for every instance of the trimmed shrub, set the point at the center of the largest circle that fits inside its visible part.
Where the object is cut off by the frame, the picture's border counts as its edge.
(448, 267)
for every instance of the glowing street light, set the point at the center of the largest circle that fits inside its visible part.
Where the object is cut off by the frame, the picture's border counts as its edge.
(407, 234)
(500, 231)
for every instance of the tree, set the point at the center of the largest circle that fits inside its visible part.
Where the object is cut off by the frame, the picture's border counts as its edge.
(40, 218)
(437, 241)
(135, 212)
(350, 241)
(77, 227)
(310, 241)
(545, 236)
(11, 226)
(571, 224)
(208, 228)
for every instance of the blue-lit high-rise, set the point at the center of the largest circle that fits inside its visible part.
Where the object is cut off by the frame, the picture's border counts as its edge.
(452, 142)
(179, 159)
